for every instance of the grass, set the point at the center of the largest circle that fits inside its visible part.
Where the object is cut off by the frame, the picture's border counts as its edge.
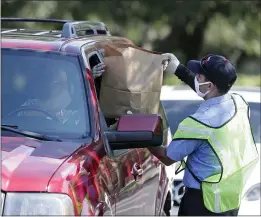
(242, 80)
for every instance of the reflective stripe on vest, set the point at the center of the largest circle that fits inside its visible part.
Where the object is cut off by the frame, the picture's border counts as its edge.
(234, 146)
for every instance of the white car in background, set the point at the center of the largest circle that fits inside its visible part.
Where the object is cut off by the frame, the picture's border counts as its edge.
(180, 102)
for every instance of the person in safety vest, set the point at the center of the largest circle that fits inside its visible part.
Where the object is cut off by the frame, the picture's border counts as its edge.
(217, 139)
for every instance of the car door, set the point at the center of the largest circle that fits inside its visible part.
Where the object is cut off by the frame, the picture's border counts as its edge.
(150, 182)
(154, 176)
(107, 179)
(136, 192)
(128, 197)
(124, 165)
(126, 174)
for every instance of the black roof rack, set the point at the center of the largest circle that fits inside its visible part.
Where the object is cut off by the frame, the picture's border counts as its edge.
(71, 29)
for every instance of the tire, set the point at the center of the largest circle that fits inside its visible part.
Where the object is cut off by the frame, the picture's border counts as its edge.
(175, 203)
(178, 192)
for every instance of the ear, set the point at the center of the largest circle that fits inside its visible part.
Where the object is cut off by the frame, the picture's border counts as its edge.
(213, 86)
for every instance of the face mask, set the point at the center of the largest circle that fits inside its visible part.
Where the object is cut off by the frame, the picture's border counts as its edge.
(200, 94)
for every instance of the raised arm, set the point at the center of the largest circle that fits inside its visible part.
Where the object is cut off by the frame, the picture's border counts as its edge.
(181, 71)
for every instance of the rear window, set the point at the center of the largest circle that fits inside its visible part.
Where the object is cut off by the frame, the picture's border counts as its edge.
(43, 92)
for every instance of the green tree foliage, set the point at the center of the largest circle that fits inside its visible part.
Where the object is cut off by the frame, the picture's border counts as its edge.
(189, 28)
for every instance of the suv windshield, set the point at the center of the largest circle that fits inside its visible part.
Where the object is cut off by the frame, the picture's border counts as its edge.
(43, 92)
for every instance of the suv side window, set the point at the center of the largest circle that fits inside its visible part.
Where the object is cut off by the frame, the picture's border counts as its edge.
(105, 127)
(94, 59)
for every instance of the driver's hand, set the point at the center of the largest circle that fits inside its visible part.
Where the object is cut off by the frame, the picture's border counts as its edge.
(98, 69)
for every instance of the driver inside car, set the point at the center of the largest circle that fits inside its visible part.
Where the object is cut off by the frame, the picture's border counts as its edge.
(53, 93)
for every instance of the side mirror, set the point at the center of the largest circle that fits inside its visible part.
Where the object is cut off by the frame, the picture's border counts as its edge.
(136, 131)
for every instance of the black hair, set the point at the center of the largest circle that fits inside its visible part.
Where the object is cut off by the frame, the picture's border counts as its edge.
(223, 81)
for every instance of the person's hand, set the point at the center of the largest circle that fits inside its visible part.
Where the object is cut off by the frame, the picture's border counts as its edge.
(172, 61)
(165, 64)
(98, 69)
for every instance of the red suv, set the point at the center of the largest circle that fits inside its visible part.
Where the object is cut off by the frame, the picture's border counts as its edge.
(59, 157)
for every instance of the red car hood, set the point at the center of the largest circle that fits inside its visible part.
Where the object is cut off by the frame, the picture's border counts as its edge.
(28, 164)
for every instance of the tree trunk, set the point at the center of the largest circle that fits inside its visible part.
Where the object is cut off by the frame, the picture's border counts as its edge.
(179, 39)
(189, 44)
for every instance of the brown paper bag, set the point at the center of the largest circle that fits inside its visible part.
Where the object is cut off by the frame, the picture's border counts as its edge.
(132, 80)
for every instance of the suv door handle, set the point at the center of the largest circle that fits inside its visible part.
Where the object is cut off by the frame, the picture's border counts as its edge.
(136, 171)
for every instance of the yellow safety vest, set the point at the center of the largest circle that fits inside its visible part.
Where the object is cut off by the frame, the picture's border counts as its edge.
(235, 148)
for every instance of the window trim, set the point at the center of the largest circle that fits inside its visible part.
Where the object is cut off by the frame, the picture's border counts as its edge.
(86, 58)
(104, 128)
(93, 53)
(108, 149)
